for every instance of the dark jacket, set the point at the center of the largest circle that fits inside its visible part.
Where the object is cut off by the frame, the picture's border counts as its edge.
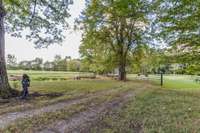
(25, 83)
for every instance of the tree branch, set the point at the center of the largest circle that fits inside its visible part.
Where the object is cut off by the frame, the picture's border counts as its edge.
(34, 10)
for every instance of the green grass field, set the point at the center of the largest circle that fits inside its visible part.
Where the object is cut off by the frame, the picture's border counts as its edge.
(47, 75)
(173, 108)
(170, 81)
(173, 81)
(181, 81)
(155, 111)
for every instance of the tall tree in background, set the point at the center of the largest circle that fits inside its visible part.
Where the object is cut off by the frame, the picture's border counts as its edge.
(42, 20)
(147, 59)
(48, 66)
(114, 28)
(60, 64)
(179, 24)
(97, 57)
(37, 63)
(74, 65)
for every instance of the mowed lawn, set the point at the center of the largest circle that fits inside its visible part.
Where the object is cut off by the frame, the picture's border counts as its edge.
(174, 108)
(181, 82)
(155, 111)
(172, 81)
(46, 75)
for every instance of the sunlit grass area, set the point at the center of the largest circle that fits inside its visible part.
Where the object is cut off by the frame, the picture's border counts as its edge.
(181, 82)
(171, 81)
(47, 75)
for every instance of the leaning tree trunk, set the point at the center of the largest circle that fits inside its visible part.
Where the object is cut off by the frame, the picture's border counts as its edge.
(4, 84)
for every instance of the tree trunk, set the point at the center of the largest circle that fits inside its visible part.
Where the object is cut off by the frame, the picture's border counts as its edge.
(122, 70)
(5, 89)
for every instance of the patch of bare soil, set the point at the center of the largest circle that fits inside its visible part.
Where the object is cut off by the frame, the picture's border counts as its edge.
(81, 122)
(9, 118)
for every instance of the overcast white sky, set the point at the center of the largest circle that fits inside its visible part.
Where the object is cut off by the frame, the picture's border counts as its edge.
(24, 50)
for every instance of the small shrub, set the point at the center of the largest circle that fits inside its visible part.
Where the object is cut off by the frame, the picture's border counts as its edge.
(42, 79)
(54, 78)
(62, 79)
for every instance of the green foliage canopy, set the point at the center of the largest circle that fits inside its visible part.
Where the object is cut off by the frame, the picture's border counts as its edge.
(179, 26)
(112, 29)
(41, 21)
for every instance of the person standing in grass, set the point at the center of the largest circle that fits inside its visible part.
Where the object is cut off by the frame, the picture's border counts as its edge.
(25, 84)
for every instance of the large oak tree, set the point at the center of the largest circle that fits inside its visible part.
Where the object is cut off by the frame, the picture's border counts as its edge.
(40, 21)
(112, 29)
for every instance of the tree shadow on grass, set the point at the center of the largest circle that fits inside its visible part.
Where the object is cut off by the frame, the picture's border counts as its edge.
(47, 95)
(31, 97)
